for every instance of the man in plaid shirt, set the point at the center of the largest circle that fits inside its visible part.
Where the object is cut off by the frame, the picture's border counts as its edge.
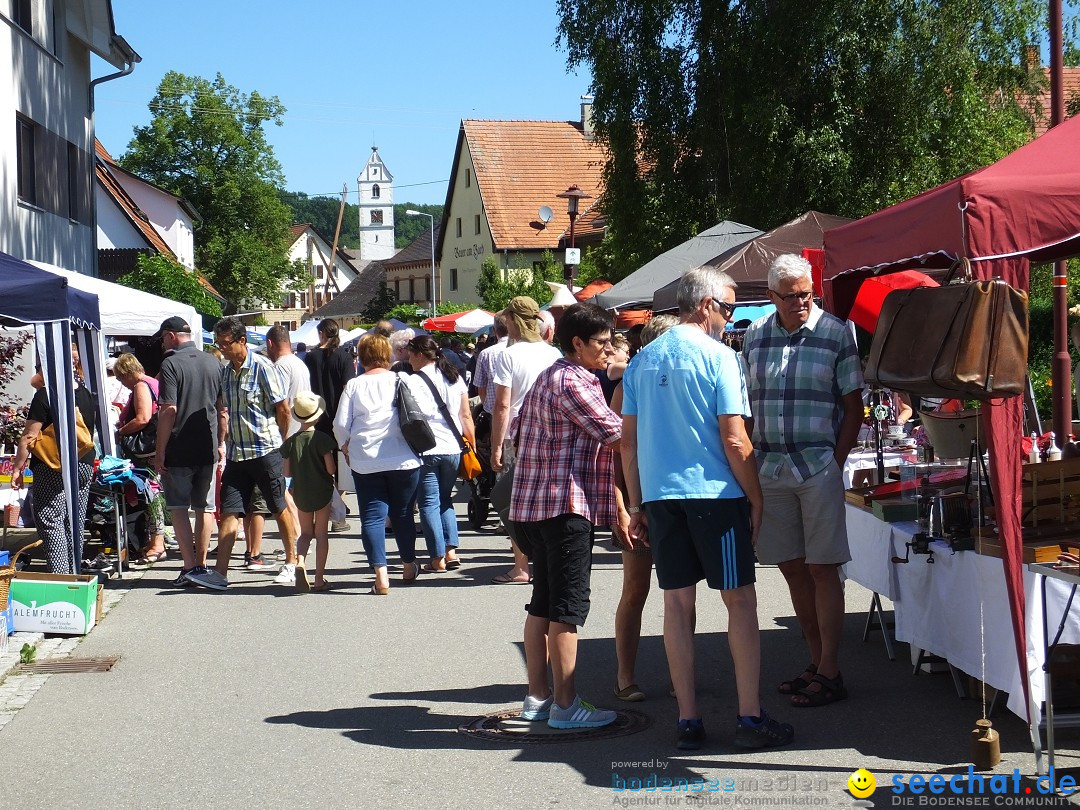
(805, 386)
(259, 416)
(564, 486)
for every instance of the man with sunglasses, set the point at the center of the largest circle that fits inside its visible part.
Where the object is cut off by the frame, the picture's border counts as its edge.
(805, 386)
(693, 495)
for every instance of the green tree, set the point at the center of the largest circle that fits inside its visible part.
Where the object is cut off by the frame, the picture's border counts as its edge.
(383, 302)
(407, 228)
(162, 276)
(497, 286)
(758, 111)
(206, 142)
(322, 212)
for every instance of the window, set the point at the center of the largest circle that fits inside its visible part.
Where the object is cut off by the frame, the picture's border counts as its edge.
(22, 14)
(468, 178)
(318, 271)
(457, 224)
(73, 185)
(376, 217)
(453, 278)
(427, 288)
(476, 224)
(375, 192)
(412, 289)
(397, 289)
(25, 136)
(318, 300)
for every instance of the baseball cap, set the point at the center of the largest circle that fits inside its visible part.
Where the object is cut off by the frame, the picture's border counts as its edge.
(173, 324)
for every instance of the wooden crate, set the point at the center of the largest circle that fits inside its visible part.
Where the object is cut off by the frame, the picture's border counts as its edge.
(1050, 493)
(1040, 545)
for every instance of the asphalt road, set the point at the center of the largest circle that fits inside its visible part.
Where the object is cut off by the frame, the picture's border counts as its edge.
(260, 697)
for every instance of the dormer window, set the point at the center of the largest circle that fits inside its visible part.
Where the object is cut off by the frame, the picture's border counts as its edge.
(375, 192)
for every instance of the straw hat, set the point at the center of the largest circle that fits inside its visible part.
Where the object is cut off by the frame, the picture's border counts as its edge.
(307, 407)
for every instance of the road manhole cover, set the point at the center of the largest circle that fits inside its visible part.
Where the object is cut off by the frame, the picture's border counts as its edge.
(58, 666)
(506, 726)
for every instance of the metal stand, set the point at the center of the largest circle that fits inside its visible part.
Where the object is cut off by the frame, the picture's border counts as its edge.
(930, 658)
(876, 615)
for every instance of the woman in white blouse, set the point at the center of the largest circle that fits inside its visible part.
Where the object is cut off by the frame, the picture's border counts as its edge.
(384, 467)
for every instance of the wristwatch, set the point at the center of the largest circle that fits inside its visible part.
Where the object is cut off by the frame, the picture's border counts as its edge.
(633, 510)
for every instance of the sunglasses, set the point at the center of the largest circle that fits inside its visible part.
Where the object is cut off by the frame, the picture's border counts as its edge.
(725, 307)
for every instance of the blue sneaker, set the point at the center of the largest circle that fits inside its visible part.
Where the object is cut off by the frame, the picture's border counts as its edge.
(533, 709)
(580, 714)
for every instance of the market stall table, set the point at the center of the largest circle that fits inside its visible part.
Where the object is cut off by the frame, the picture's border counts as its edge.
(956, 608)
(867, 460)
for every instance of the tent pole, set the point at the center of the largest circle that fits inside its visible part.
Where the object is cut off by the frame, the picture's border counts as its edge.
(1062, 365)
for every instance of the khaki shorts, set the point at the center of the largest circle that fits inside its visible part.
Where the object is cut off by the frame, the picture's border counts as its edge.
(804, 519)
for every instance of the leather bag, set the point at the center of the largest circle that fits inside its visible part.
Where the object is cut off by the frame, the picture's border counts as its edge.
(469, 466)
(143, 443)
(961, 341)
(46, 449)
(412, 421)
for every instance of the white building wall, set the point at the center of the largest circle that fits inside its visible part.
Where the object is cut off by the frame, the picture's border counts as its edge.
(163, 209)
(114, 229)
(48, 82)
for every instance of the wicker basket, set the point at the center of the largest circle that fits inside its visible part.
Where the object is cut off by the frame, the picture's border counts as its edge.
(7, 573)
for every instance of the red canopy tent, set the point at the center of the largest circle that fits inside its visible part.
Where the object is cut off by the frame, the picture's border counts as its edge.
(1025, 207)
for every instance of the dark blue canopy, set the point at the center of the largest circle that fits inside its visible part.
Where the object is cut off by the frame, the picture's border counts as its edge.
(29, 295)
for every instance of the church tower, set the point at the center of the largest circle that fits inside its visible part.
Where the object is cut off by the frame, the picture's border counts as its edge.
(376, 189)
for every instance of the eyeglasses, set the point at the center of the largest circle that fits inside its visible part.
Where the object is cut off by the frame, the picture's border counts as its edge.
(725, 307)
(224, 344)
(803, 297)
(602, 342)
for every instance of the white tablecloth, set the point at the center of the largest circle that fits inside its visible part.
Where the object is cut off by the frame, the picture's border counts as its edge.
(867, 460)
(957, 607)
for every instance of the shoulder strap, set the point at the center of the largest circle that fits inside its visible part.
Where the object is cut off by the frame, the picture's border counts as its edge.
(442, 408)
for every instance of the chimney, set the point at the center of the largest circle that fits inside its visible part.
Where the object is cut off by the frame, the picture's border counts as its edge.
(586, 116)
(1031, 59)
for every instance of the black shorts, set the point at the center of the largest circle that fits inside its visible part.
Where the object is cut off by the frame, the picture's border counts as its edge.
(240, 479)
(701, 538)
(561, 553)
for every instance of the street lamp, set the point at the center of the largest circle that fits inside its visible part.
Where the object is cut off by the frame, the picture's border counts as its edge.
(572, 195)
(413, 213)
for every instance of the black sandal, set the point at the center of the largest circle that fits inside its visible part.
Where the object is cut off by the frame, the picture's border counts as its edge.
(831, 690)
(796, 685)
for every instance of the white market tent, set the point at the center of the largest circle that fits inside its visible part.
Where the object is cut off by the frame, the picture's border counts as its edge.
(307, 333)
(127, 311)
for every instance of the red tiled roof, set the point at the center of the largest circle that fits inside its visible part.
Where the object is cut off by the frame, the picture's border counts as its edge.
(523, 165)
(1040, 109)
(103, 169)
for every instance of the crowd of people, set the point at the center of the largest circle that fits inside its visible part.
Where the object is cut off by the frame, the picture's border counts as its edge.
(702, 461)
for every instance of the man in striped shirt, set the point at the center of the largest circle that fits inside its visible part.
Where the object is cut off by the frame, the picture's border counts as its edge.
(259, 415)
(805, 386)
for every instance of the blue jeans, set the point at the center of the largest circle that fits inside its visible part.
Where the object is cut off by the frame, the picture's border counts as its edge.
(436, 497)
(382, 494)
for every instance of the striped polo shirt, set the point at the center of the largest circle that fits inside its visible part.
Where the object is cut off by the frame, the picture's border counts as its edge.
(796, 381)
(251, 394)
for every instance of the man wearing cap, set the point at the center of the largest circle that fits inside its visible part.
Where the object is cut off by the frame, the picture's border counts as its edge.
(515, 371)
(191, 420)
(259, 417)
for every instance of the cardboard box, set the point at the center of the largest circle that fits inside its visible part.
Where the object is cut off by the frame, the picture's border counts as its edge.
(55, 603)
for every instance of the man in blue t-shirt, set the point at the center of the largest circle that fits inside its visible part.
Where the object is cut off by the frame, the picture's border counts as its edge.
(694, 497)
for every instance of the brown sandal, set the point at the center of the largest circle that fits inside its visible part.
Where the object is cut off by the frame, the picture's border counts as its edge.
(829, 690)
(796, 685)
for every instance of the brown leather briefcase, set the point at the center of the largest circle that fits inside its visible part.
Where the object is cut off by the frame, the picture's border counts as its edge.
(962, 341)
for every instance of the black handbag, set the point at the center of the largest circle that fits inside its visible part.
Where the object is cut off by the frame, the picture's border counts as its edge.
(412, 421)
(143, 443)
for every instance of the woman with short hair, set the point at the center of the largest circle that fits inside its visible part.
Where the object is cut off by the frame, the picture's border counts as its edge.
(385, 469)
(140, 409)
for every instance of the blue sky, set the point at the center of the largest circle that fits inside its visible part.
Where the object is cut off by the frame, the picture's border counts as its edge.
(400, 75)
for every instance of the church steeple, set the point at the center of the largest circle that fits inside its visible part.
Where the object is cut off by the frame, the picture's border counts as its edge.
(376, 190)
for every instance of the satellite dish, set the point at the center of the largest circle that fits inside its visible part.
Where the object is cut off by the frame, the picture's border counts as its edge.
(546, 214)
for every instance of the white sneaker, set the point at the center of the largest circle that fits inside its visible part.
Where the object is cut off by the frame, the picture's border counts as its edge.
(580, 715)
(337, 526)
(533, 709)
(287, 575)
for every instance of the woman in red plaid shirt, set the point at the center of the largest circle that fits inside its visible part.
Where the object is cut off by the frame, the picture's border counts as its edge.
(564, 486)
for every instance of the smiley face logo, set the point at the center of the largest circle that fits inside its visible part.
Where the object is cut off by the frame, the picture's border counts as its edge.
(861, 783)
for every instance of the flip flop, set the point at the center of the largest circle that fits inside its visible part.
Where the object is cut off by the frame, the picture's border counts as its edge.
(506, 579)
(320, 587)
(427, 569)
(149, 559)
(452, 565)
